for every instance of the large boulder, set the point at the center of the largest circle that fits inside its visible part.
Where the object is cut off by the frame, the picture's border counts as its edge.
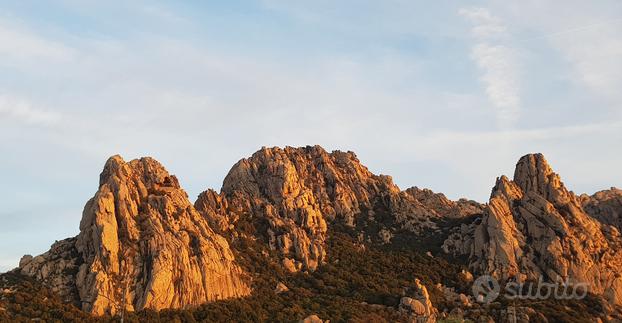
(419, 306)
(312, 319)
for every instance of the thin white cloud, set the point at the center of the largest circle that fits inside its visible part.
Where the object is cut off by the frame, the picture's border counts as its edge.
(497, 62)
(486, 25)
(22, 111)
(585, 46)
(500, 75)
(18, 43)
(595, 56)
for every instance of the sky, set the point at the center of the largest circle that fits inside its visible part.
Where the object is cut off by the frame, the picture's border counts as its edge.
(445, 95)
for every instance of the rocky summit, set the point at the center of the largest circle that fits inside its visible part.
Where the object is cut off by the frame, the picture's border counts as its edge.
(302, 234)
(298, 192)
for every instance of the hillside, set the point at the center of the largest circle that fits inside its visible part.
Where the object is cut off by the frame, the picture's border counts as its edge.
(301, 231)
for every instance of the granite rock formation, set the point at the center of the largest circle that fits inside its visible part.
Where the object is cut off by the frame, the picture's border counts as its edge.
(141, 245)
(300, 192)
(533, 227)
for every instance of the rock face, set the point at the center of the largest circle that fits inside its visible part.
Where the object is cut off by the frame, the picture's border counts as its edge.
(442, 206)
(299, 192)
(605, 206)
(534, 227)
(57, 268)
(141, 245)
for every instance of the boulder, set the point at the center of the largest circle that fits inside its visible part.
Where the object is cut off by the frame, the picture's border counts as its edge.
(311, 319)
(25, 260)
(413, 306)
(281, 288)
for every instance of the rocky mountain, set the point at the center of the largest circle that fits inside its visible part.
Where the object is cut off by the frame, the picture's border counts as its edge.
(299, 192)
(534, 227)
(141, 245)
(317, 230)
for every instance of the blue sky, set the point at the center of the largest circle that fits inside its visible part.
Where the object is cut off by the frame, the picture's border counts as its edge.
(445, 95)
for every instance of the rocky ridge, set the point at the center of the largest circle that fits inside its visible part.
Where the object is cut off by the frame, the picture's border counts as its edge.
(299, 192)
(143, 245)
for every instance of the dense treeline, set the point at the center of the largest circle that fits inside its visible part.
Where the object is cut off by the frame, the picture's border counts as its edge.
(359, 284)
(22, 299)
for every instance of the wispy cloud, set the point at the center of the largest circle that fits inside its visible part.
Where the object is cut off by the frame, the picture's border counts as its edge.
(18, 43)
(22, 111)
(595, 53)
(486, 26)
(497, 62)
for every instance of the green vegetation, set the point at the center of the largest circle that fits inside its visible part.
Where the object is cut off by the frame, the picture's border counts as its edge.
(360, 283)
(23, 298)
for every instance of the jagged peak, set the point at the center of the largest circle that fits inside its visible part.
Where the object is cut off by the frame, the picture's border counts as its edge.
(504, 187)
(115, 160)
(313, 152)
(114, 165)
(533, 173)
(293, 161)
(148, 169)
